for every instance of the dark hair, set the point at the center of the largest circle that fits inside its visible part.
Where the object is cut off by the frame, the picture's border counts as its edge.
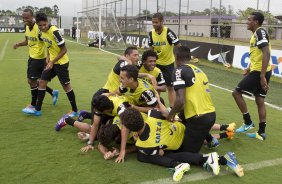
(129, 50)
(102, 103)
(182, 53)
(158, 16)
(28, 10)
(131, 71)
(258, 16)
(132, 119)
(149, 53)
(108, 133)
(41, 17)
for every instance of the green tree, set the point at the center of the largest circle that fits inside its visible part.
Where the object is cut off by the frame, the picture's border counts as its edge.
(55, 10)
(46, 10)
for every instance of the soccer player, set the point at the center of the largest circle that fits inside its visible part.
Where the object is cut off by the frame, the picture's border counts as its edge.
(193, 96)
(156, 135)
(57, 65)
(256, 78)
(37, 58)
(162, 41)
(149, 59)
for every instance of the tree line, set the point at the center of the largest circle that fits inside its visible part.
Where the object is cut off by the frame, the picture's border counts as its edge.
(51, 11)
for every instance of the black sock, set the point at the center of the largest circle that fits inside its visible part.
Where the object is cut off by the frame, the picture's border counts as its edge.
(262, 126)
(209, 138)
(203, 160)
(223, 135)
(49, 90)
(34, 91)
(222, 160)
(247, 118)
(70, 121)
(174, 163)
(223, 127)
(71, 98)
(40, 98)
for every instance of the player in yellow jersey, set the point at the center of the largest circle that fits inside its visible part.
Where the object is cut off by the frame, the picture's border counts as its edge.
(162, 41)
(37, 58)
(192, 95)
(156, 136)
(257, 77)
(57, 63)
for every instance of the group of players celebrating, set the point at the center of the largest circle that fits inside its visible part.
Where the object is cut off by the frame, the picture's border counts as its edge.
(128, 109)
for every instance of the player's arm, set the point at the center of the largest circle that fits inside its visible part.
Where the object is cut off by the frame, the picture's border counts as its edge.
(151, 77)
(161, 87)
(178, 105)
(172, 38)
(93, 134)
(124, 136)
(150, 40)
(23, 43)
(149, 97)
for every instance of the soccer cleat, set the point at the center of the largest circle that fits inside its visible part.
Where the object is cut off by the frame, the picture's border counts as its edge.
(72, 113)
(61, 123)
(37, 113)
(256, 135)
(33, 112)
(55, 96)
(214, 143)
(233, 164)
(231, 127)
(230, 135)
(212, 161)
(245, 128)
(28, 110)
(180, 170)
(81, 115)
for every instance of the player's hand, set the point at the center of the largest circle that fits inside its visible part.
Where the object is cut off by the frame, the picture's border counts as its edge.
(16, 46)
(120, 158)
(161, 152)
(87, 148)
(264, 84)
(49, 66)
(170, 117)
(246, 71)
(153, 80)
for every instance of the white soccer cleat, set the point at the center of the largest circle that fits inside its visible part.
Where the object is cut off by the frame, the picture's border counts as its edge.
(180, 170)
(213, 162)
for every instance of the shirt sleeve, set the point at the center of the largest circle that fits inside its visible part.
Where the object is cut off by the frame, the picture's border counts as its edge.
(122, 89)
(59, 39)
(171, 37)
(183, 77)
(150, 39)
(149, 97)
(149, 151)
(119, 65)
(262, 38)
(160, 79)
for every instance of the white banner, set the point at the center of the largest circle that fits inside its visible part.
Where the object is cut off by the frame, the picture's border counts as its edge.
(241, 59)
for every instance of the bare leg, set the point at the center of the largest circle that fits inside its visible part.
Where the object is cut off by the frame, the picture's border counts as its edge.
(171, 95)
(240, 101)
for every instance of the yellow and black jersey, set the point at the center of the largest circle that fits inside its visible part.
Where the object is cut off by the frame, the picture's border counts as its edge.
(144, 95)
(197, 93)
(113, 82)
(157, 73)
(163, 45)
(54, 41)
(35, 43)
(160, 134)
(258, 40)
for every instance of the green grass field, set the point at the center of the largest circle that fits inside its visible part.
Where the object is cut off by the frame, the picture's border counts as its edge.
(32, 152)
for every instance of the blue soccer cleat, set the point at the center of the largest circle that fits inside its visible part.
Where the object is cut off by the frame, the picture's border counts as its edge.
(72, 113)
(232, 163)
(213, 144)
(55, 96)
(245, 128)
(28, 110)
(256, 135)
(32, 112)
(61, 123)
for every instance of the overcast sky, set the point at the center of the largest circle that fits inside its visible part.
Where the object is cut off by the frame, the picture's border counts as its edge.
(70, 7)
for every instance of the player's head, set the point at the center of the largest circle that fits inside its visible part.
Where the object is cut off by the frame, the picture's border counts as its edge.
(128, 75)
(255, 20)
(27, 16)
(157, 21)
(182, 54)
(108, 133)
(132, 54)
(102, 104)
(42, 21)
(149, 59)
(132, 119)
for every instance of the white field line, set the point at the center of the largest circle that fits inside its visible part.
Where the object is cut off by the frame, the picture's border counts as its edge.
(205, 175)
(3, 50)
(222, 88)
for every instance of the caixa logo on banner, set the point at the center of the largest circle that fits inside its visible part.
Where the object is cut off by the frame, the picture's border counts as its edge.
(276, 62)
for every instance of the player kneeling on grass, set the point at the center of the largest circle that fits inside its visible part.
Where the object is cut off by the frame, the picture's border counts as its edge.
(156, 136)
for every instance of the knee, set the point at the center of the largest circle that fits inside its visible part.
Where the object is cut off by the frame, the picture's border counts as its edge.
(32, 83)
(42, 83)
(235, 94)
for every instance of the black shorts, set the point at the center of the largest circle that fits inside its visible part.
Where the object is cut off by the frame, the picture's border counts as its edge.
(167, 71)
(35, 68)
(250, 84)
(61, 71)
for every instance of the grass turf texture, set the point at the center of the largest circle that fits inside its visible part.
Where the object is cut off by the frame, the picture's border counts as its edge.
(32, 152)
